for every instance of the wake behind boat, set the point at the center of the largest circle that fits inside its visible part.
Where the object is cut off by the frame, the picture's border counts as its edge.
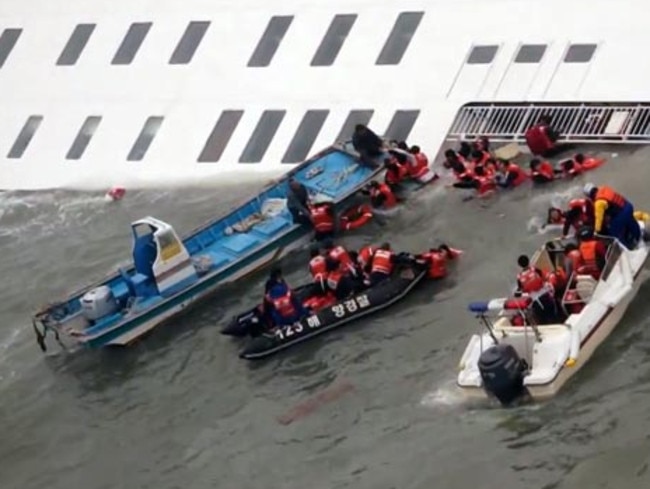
(522, 357)
(169, 273)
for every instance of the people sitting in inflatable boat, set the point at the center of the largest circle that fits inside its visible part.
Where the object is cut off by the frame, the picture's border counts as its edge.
(608, 203)
(285, 307)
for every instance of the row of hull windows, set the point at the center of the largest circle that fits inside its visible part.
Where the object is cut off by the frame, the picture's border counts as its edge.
(267, 126)
(395, 46)
(531, 53)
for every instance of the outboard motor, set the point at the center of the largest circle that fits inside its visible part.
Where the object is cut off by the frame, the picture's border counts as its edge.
(503, 373)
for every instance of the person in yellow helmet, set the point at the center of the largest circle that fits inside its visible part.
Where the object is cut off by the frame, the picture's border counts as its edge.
(620, 211)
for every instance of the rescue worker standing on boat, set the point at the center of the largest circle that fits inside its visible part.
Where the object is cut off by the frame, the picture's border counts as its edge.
(620, 211)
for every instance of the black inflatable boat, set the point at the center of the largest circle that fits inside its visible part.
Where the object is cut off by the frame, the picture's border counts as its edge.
(371, 300)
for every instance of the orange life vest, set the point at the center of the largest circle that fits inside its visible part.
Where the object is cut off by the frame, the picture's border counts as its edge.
(396, 173)
(339, 253)
(485, 184)
(586, 211)
(318, 268)
(284, 305)
(612, 198)
(521, 175)
(537, 140)
(389, 197)
(530, 280)
(544, 169)
(322, 219)
(382, 262)
(589, 255)
(333, 279)
(556, 278)
(365, 255)
(421, 165)
(437, 264)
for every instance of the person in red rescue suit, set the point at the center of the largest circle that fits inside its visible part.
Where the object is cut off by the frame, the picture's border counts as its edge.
(395, 173)
(339, 283)
(437, 259)
(531, 281)
(285, 308)
(323, 219)
(511, 174)
(481, 180)
(580, 213)
(381, 196)
(573, 167)
(318, 270)
(383, 262)
(364, 259)
(541, 137)
(341, 256)
(593, 253)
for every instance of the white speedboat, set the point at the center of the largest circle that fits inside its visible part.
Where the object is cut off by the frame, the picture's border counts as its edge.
(512, 361)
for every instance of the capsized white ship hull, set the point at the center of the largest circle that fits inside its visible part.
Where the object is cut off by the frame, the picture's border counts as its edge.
(553, 353)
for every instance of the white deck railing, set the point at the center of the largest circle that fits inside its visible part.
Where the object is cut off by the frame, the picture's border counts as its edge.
(581, 123)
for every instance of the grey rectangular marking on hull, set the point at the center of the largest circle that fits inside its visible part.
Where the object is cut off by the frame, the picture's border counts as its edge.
(84, 136)
(580, 53)
(401, 125)
(482, 55)
(270, 41)
(399, 38)
(530, 53)
(332, 43)
(75, 45)
(262, 136)
(354, 117)
(145, 138)
(131, 43)
(308, 130)
(189, 43)
(25, 136)
(220, 136)
(8, 40)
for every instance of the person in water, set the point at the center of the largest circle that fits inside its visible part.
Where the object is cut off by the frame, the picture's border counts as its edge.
(381, 195)
(607, 203)
(511, 174)
(437, 259)
(323, 220)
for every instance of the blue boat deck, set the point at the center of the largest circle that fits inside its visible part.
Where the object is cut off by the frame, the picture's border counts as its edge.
(333, 174)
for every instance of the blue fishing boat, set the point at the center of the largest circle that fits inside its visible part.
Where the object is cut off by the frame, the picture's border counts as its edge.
(169, 273)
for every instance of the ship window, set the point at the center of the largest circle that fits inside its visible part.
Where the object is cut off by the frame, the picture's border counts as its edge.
(482, 55)
(25, 136)
(580, 53)
(189, 43)
(401, 125)
(530, 53)
(262, 136)
(300, 146)
(75, 44)
(83, 137)
(8, 40)
(145, 138)
(270, 41)
(131, 43)
(399, 38)
(333, 41)
(354, 117)
(220, 135)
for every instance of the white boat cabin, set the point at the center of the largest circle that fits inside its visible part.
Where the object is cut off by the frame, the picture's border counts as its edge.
(162, 264)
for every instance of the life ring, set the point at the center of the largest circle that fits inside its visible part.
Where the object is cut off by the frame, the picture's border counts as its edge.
(591, 163)
(355, 217)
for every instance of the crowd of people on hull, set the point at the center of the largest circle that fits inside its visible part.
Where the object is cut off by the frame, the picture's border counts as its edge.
(338, 274)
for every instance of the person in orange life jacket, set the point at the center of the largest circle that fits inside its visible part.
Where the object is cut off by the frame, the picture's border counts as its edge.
(573, 167)
(437, 259)
(395, 173)
(481, 181)
(382, 264)
(464, 152)
(482, 144)
(511, 175)
(580, 213)
(339, 254)
(381, 196)
(275, 278)
(531, 281)
(541, 137)
(420, 170)
(453, 160)
(364, 258)
(541, 171)
(572, 259)
(323, 220)
(479, 158)
(557, 280)
(338, 282)
(318, 270)
(286, 308)
(622, 224)
(592, 251)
